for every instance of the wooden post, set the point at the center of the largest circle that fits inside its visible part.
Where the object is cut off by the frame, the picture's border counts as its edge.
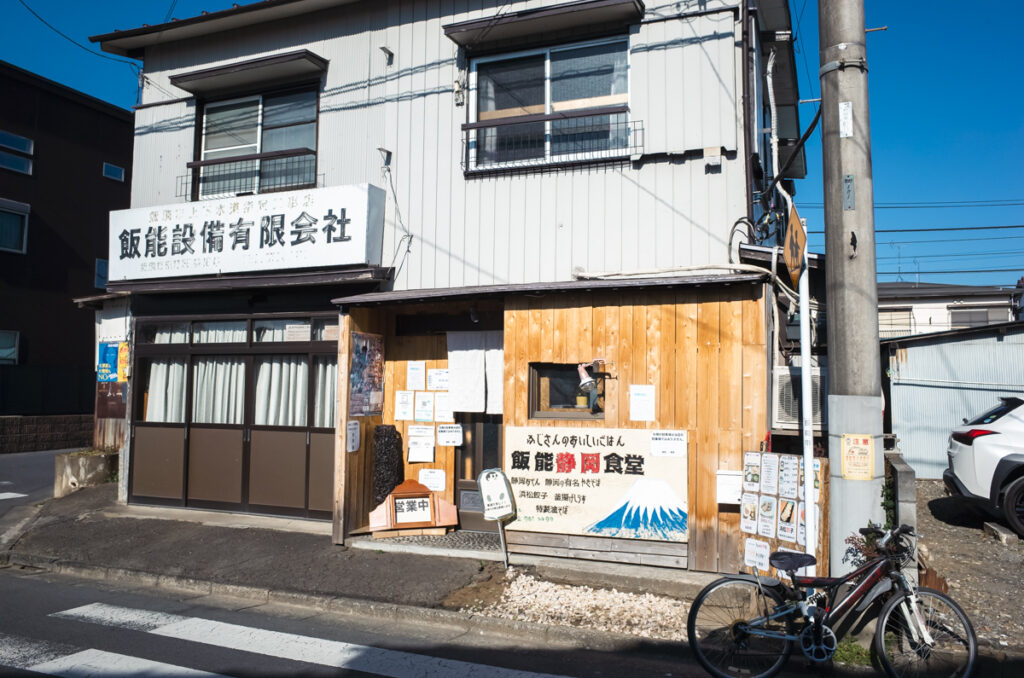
(341, 427)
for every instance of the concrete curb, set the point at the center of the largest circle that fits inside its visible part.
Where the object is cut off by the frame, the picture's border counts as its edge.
(467, 623)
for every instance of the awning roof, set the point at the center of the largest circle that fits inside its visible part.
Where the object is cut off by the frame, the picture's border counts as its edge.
(528, 23)
(289, 67)
(459, 293)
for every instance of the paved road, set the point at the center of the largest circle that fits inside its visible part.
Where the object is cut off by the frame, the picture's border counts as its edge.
(25, 478)
(69, 627)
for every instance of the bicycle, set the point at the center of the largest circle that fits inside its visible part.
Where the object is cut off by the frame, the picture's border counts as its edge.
(746, 626)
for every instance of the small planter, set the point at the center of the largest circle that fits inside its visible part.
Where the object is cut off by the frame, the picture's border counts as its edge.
(84, 468)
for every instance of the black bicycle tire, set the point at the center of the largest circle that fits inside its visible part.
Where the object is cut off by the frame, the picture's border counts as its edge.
(924, 593)
(695, 645)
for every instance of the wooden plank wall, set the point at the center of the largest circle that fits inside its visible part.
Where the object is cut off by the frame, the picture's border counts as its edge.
(354, 472)
(705, 352)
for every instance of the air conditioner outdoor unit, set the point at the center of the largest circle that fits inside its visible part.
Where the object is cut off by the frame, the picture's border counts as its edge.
(786, 404)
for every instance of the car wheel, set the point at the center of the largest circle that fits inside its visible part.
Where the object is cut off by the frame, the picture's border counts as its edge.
(1013, 505)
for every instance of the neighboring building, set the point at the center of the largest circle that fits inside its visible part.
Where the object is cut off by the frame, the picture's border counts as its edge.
(934, 381)
(492, 196)
(919, 308)
(65, 162)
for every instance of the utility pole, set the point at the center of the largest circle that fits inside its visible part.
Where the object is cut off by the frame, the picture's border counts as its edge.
(854, 379)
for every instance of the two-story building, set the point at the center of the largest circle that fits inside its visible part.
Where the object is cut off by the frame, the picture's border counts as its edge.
(65, 162)
(376, 241)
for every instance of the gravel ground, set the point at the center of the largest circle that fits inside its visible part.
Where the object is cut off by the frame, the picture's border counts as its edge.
(526, 598)
(984, 576)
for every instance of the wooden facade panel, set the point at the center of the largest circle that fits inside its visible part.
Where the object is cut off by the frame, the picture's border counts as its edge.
(691, 346)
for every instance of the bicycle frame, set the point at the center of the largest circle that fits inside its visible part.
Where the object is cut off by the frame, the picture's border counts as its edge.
(870, 575)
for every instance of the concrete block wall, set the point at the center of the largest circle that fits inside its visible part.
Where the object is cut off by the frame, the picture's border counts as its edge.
(53, 432)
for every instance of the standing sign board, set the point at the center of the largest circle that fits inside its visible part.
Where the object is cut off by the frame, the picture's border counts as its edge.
(497, 495)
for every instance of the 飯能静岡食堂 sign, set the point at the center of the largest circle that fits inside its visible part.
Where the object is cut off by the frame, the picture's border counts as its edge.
(624, 483)
(317, 227)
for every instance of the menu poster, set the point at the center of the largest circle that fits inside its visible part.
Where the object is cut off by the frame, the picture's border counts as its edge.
(766, 516)
(751, 471)
(769, 473)
(787, 520)
(789, 476)
(801, 525)
(756, 554)
(748, 513)
(817, 480)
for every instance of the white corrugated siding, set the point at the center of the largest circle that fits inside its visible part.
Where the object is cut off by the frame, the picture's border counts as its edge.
(666, 211)
(935, 385)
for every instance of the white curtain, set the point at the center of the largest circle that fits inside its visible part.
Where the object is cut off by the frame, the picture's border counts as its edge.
(165, 401)
(218, 391)
(475, 371)
(282, 388)
(221, 332)
(325, 392)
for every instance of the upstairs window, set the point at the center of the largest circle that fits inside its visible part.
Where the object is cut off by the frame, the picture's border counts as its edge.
(16, 152)
(9, 347)
(13, 226)
(113, 172)
(258, 144)
(552, 105)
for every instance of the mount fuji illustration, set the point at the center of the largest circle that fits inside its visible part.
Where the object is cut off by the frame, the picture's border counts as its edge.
(650, 509)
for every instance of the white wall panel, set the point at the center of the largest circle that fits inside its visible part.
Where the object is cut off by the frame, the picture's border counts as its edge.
(663, 211)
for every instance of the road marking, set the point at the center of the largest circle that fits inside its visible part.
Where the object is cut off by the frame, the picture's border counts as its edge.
(58, 659)
(336, 654)
(11, 495)
(97, 663)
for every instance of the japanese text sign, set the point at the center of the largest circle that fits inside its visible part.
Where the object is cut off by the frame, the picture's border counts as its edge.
(596, 482)
(334, 226)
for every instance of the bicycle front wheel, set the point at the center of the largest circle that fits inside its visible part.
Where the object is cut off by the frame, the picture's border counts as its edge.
(723, 630)
(904, 651)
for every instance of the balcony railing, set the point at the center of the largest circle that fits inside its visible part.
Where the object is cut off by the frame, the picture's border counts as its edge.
(248, 174)
(551, 139)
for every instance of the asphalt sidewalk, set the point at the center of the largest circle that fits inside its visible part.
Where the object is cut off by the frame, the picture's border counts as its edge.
(87, 533)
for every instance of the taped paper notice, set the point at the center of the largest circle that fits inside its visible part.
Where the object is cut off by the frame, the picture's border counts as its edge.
(433, 478)
(755, 554)
(769, 473)
(449, 435)
(748, 513)
(751, 471)
(403, 405)
(421, 450)
(424, 406)
(416, 375)
(352, 437)
(766, 516)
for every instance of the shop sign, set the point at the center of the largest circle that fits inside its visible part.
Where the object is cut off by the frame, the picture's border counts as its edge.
(334, 226)
(497, 493)
(597, 482)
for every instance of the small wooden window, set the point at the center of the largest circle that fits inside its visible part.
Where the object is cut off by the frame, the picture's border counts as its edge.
(556, 393)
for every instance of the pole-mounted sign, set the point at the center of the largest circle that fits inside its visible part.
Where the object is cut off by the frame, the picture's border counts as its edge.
(793, 248)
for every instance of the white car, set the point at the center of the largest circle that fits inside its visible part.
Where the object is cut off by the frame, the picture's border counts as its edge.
(986, 460)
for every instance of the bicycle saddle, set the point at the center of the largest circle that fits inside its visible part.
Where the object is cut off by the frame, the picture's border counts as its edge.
(791, 562)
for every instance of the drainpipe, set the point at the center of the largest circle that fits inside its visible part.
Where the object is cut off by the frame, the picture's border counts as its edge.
(747, 170)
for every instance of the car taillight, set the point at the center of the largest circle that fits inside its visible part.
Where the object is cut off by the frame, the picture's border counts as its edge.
(968, 437)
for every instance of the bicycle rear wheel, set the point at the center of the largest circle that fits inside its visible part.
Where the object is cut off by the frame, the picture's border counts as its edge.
(718, 625)
(902, 651)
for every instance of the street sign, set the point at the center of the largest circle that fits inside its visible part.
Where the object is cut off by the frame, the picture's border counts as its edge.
(793, 248)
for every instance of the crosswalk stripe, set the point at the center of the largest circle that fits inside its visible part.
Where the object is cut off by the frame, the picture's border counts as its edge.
(11, 495)
(336, 654)
(97, 663)
(68, 661)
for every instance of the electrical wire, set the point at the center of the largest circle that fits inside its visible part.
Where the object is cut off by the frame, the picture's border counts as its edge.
(134, 66)
(945, 240)
(931, 205)
(991, 253)
(170, 11)
(973, 270)
(939, 229)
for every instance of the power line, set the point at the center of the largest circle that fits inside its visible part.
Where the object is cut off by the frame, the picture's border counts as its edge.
(131, 64)
(1010, 202)
(977, 270)
(938, 230)
(943, 240)
(170, 11)
(995, 254)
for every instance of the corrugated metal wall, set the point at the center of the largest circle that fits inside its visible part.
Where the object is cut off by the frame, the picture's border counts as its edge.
(935, 384)
(668, 210)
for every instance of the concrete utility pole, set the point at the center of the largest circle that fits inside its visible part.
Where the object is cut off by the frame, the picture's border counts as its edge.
(854, 380)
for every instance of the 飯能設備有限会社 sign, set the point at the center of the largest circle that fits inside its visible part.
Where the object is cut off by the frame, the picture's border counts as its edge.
(625, 483)
(319, 227)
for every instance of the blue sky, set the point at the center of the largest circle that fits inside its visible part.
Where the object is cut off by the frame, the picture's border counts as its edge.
(946, 121)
